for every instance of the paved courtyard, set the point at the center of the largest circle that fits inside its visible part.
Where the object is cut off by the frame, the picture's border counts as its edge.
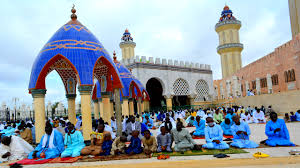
(279, 155)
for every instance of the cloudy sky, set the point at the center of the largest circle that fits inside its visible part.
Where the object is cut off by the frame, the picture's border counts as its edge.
(172, 29)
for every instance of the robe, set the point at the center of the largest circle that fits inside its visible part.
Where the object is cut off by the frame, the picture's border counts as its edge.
(18, 149)
(164, 140)
(118, 144)
(201, 113)
(9, 131)
(106, 148)
(199, 128)
(226, 128)
(214, 133)
(149, 144)
(74, 143)
(189, 121)
(218, 117)
(246, 118)
(50, 151)
(257, 116)
(148, 123)
(228, 115)
(280, 138)
(161, 116)
(26, 135)
(183, 140)
(242, 140)
(297, 116)
(135, 146)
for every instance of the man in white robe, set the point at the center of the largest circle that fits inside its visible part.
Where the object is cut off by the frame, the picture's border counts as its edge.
(14, 148)
(259, 116)
(246, 117)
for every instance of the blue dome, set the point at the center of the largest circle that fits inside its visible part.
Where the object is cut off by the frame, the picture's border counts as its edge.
(74, 43)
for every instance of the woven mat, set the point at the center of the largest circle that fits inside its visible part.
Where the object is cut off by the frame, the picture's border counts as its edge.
(111, 157)
(203, 152)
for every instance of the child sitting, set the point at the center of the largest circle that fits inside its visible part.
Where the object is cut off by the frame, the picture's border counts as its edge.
(149, 143)
(164, 141)
(286, 117)
(106, 145)
(118, 146)
(135, 144)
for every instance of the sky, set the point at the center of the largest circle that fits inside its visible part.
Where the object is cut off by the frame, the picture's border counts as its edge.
(172, 29)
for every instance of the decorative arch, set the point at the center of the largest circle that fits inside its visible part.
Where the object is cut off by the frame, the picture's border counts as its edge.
(66, 70)
(132, 87)
(202, 90)
(103, 68)
(181, 87)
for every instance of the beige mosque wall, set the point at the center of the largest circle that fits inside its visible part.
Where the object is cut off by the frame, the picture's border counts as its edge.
(282, 102)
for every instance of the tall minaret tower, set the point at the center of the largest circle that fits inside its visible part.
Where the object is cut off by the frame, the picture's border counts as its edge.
(127, 45)
(229, 47)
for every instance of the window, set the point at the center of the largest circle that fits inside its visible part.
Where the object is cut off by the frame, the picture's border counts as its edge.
(289, 76)
(263, 82)
(253, 84)
(242, 87)
(274, 79)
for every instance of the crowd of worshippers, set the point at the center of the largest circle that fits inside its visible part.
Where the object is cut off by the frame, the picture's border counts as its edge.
(64, 139)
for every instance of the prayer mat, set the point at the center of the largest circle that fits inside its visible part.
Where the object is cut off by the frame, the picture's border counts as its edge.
(32, 161)
(204, 152)
(266, 146)
(65, 160)
(228, 136)
(198, 137)
(113, 157)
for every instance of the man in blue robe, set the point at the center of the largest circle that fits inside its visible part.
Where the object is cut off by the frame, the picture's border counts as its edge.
(214, 136)
(230, 114)
(241, 133)
(148, 121)
(74, 142)
(161, 116)
(200, 125)
(298, 115)
(226, 126)
(277, 132)
(50, 146)
(8, 131)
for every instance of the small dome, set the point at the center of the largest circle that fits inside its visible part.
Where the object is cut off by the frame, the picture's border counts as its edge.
(226, 14)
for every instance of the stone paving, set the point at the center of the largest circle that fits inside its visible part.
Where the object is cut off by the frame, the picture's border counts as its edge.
(257, 135)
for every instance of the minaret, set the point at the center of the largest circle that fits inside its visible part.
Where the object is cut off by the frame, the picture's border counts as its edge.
(229, 47)
(127, 45)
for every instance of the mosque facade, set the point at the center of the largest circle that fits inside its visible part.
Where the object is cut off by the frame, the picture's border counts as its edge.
(270, 80)
(170, 83)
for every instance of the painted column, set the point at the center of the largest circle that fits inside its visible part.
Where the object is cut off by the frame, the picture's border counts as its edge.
(118, 111)
(86, 111)
(39, 112)
(100, 104)
(125, 107)
(143, 107)
(146, 105)
(112, 107)
(257, 86)
(131, 107)
(106, 107)
(269, 83)
(96, 109)
(140, 106)
(169, 102)
(71, 108)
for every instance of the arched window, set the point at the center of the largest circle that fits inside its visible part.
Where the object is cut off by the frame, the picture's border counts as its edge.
(180, 87)
(202, 90)
(285, 76)
(293, 77)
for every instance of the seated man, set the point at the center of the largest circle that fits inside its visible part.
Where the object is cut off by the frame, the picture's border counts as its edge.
(259, 116)
(161, 116)
(218, 117)
(230, 114)
(214, 136)
(246, 117)
(119, 146)
(278, 134)
(132, 125)
(298, 115)
(135, 146)
(190, 121)
(149, 143)
(226, 127)
(293, 117)
(241, 133)
(183, 139)
(74, 142)
(14, 148)
(50, 146)
(8, 130)
(96, 142)
(200, 125)
(148, 121)
(164, 141)
(25, 133)
(106, 145)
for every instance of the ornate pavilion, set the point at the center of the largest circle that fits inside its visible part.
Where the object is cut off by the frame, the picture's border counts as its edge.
(79, 58)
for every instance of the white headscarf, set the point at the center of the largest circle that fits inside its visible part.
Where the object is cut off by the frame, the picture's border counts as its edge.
(46, 136)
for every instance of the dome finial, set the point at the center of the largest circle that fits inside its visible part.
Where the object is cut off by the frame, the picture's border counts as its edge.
(115, 57)
(73, 10)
